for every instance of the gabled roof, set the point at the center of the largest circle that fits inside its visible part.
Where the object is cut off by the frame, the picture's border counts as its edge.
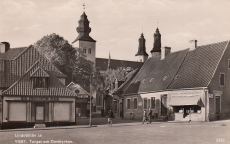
(102, 63)
(39, 72)
(199, 66)
(182, 69)
(72, 87)
(23, 86)
(156, 74)
(12, 53)
(128, 80)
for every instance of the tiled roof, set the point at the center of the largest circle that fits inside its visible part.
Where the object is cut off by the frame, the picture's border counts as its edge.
(18, 60)
(199, 66)
(102, 63)
(129, 79)
(72, 87)
(24, 87)
(12, 53)
(156, 74)
(39, 73)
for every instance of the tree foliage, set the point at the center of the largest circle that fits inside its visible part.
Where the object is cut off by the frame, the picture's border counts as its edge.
(69, 60)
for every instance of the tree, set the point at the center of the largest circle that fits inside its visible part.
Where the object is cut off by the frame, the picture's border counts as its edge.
(69, 60)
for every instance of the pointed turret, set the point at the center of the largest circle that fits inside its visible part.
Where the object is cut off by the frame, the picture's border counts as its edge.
(141, 54)
(83, 29)
(157, 44)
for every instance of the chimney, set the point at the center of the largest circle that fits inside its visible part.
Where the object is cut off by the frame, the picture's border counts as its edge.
(164, 52)
(193, 45)
(4, 47)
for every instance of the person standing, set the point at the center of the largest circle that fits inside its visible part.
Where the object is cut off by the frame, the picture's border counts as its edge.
(110, 116)
(144, 117)
(150, 115)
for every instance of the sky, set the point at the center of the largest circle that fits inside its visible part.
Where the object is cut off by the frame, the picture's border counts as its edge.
(117, 25)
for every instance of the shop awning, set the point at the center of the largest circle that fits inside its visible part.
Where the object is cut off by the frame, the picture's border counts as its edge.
(186, 100)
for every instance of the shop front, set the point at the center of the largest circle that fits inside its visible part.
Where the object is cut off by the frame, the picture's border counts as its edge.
(26, 111)
(188, 105)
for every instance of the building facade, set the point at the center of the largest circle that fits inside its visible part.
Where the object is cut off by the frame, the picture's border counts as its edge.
(33, 91)
(187, 85)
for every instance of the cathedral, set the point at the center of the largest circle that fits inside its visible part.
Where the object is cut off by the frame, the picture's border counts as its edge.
(88, 46)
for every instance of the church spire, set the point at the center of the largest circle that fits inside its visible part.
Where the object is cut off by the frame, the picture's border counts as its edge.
(157, 42)
(83, 29)
(141, 54)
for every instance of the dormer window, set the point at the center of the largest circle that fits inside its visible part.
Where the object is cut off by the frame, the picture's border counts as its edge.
(39, 78)
(40, 82)
(151, 80)
(165, 78)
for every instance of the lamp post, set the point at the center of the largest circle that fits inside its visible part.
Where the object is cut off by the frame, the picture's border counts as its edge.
(90, 99)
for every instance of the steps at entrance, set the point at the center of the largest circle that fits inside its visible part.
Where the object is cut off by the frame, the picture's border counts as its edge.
(39, 126)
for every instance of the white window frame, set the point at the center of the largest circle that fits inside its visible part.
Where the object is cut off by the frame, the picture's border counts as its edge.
(144, 103)
(134, 104)
(151, 102)
(224, 80)
(127, 103)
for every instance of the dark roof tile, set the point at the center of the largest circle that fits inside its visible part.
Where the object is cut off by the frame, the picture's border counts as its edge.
(199, 66)
(156, 74)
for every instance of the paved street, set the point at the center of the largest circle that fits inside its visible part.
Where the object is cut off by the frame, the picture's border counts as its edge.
(135, 132)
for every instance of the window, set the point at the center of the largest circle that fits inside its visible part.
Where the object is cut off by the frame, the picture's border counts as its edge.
(128, 104)
(165, 78)
(222, 79)
(152, 79)
(89, 51)
(135, 103)
(145, 103)
(84, 50)
(153, 103)
(229, 63)
(40, 82)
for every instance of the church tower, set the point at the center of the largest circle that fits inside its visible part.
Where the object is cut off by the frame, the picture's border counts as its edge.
(156, 51)
(84, 41)
(141, 55)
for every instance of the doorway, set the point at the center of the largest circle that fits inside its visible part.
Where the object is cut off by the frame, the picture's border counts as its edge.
(164, 105)
(217, 105)
(40, 113)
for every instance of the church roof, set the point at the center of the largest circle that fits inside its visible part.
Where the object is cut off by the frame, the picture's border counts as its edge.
(102, 63)
(83, 37)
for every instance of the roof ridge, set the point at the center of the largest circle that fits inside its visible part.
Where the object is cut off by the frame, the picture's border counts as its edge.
(119, 60)
(219, 61)
(212, 43)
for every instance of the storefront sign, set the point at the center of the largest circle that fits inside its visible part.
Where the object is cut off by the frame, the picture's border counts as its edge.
(217, 93)
(40, 98)
(187, 93)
